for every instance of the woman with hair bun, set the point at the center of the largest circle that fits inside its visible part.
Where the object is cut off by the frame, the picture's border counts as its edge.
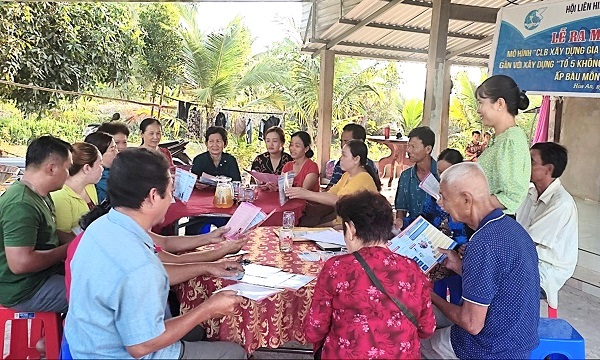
(506, 160)
(78, 195)
(305, 170)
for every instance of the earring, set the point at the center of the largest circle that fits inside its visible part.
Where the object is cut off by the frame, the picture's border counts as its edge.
(499, 108)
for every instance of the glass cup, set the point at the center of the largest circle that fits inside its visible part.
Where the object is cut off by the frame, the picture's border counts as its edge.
(249, 194)
(254, 188)
(237, 186)
(286, 238)
(289, 219)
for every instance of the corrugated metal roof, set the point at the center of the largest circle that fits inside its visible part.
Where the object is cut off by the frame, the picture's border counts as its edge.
(400, 32)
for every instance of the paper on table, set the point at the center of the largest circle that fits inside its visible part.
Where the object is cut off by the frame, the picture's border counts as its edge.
(264, 177)
(330, 236)
(241, 219)
(252, 292)
(184, 184)
(431, 186)
(297, 281)
(208, 179)
(241, 252)
(260, 270)
(420, 241)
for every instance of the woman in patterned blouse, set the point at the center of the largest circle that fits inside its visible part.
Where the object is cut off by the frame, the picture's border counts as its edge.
(272, 161)
(349, 317)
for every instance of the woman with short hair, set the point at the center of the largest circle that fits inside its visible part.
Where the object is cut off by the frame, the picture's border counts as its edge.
(349, 317)
(151, 133)
(214, 161)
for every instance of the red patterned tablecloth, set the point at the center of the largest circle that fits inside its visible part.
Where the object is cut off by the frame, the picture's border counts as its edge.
(271, 322)
(201, 202)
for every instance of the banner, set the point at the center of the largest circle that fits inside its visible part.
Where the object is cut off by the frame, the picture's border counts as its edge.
(550, 48)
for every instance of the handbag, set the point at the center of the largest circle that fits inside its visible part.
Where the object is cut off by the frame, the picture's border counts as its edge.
(380, 287)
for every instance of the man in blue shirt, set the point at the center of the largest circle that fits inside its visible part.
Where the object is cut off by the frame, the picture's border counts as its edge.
(349, 132)
(499, 315)
(409, 196)
(119, 286)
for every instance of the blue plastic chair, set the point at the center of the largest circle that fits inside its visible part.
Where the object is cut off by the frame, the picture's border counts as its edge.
(558, 340)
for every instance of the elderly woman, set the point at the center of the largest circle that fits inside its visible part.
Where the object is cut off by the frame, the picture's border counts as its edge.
(272, 161)
(305, 170)
(109, 150)
(349, 317)
(214, 161)
(357, 176)
(78, 195)
(505, 161)
(151, 133)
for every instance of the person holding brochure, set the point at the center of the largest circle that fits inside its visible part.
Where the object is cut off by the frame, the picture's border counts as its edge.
(409, 196)
(499, 316)
(214, 161)
(349, 316)
(306, 171)
(273, 160)
(357, 176)
(435, 215)
(106, 296)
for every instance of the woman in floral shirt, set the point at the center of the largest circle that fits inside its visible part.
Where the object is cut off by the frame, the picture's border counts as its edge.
(349, 317)
(272, 161)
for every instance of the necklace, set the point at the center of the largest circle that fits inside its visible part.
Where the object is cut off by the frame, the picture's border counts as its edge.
(32, 188)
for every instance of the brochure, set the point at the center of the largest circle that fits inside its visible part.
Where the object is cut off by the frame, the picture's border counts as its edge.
(208, 179)
(245, 218)
(272, 277)
(252, 292)
(284, 181)
(420, 241)
(431, 186)
(263, 178)
(184, 184)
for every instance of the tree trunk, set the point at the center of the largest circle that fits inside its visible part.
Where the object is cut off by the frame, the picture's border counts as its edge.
(162, 93)
(153, 97)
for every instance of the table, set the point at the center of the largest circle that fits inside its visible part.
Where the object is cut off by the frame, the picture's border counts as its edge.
(201, 202)
(398, 148)
(271, 322)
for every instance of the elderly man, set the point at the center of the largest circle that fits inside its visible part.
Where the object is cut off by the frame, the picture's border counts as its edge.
(119, 286)
(31, 249)
(549, 215)
(500, 312)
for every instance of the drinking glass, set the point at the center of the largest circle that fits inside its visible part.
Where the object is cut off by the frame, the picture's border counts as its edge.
(289, 219)
(249, 195)
(237, 186)
(286, 238)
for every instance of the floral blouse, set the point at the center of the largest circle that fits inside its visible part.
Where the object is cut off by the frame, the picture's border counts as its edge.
(352, 319)
(262, 163)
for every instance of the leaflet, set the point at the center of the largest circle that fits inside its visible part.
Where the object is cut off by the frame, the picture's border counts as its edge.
(431, 186)
(420, 241)
(184, 184)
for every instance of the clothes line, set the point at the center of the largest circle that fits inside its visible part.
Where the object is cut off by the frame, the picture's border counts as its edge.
(67, 92)
(229, 110)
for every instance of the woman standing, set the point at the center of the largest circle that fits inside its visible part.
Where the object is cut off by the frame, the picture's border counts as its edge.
(78, 195)
(109, 150)
(305, 170)
(272, 161)
(151, 132)
(349, 318)
(505, 160)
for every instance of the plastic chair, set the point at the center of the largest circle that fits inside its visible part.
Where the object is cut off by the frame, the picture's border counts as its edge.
(43, 325)
(65, 351)
(552, 312)
(558, 340)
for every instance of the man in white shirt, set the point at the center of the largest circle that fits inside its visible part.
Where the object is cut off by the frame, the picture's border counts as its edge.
(549, 215)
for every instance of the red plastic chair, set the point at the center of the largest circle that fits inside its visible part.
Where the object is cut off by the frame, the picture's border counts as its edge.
(21, 345)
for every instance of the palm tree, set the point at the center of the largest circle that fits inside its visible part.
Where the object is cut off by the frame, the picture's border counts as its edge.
(219, 67)
(463, 111)
(411, 112)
